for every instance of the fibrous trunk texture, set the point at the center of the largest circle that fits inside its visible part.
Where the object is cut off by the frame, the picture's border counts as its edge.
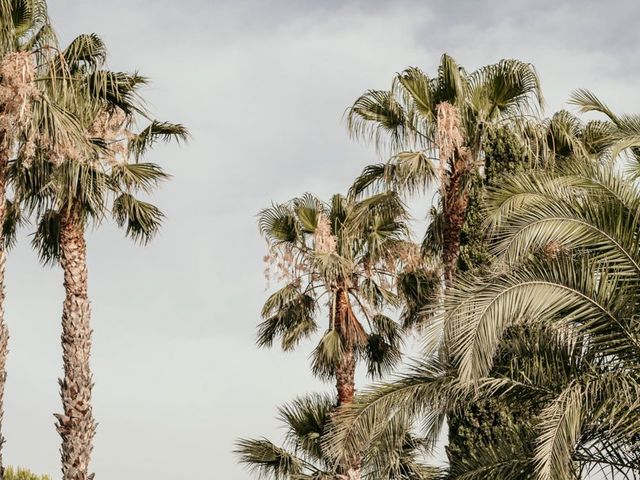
(351, 333)
(4, 332)
(346, 372)
(455, 207)
(76, 425)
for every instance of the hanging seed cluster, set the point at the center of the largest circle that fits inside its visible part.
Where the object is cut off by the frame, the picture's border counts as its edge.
(283, 263)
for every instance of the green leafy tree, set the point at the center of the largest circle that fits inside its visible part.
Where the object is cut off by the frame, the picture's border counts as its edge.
(550, 327)
(570, 243)
(489, 436)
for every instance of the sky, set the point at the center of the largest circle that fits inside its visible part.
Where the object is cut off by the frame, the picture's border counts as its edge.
(262, 86)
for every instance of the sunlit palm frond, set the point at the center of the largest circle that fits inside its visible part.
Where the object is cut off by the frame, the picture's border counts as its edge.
(586, 101)
(561, 289)
(507, 88)
(326, 357)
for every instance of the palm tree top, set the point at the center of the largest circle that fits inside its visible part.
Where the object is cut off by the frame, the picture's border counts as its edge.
(407, 115)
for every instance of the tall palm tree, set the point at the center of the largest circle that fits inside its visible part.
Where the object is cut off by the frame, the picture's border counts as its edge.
(302, 457)
(26, 42)
(71, 190)
(354, 254)
(435, 130)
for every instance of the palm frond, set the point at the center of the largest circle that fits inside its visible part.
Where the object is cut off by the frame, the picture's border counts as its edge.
(12, 220)
(289, 314)
(46, 240)
(278, 224)
(326, 357)
(423, 393)
(586, 101)
(137, 176)
(383, 349)
(140, 143)
(268, 460)
(141, 220)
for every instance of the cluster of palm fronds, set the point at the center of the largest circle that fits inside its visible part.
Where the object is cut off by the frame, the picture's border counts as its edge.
(534, 349)
(71, 155)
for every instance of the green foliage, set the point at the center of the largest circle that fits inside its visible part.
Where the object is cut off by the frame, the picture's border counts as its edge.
(476, 429)
(307, 422)
(11, 473)
(572, 275)
(105, 177)
(474, 253)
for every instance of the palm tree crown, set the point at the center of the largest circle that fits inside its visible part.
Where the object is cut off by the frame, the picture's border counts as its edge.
(435, 129)
(350, 252)
(303, 457)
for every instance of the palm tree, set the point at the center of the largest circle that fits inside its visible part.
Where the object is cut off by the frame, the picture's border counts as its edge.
(26, 42)
(72, 190)
(443, 120)
(437, 131)
(356, 255)
(303, 457)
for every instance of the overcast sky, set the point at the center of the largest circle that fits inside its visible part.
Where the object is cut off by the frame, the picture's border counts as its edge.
(262, 85)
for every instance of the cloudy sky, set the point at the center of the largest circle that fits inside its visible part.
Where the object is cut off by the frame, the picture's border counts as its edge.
(262, 85)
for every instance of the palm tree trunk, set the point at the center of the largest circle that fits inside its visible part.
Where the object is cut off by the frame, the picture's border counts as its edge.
(76, 425)
(346, 371)
(455, 206)
(4, 332)
(345, 378)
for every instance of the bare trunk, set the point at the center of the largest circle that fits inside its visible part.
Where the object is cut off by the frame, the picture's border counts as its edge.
(4, 332)
(455, 207)
(76, 425)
